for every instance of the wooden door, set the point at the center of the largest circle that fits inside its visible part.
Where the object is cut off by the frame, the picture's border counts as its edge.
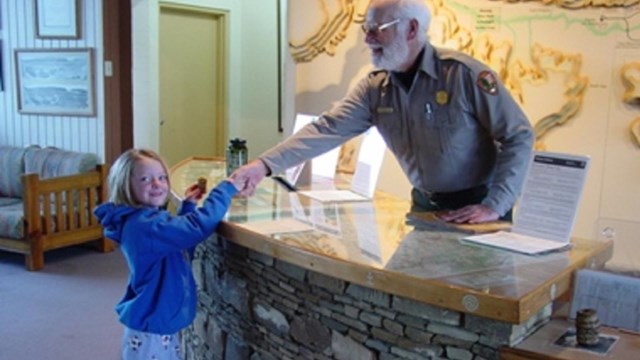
(193, 113)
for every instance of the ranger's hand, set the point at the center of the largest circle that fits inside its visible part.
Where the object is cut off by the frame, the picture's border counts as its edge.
(247, 177)
(471, 214)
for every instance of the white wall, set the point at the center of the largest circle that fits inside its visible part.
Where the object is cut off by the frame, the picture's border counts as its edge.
(145, 16)
(68, 132)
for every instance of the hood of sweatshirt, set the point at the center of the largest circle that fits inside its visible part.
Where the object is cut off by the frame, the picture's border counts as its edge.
(112, 218)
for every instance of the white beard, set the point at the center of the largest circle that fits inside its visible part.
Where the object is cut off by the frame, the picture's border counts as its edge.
(393, 56)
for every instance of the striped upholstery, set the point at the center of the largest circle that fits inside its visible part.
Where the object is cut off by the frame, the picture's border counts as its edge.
(53, 162)
(11, 168)
(11, 221)
(6, 201)
(47, 163)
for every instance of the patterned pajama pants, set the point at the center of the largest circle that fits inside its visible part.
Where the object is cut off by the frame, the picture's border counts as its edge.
(138, 345)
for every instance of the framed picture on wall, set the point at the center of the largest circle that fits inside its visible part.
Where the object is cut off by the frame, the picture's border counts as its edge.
(55, 81)
(57, 19)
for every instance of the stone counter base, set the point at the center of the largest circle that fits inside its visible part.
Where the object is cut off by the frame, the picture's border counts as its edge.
(253, 306)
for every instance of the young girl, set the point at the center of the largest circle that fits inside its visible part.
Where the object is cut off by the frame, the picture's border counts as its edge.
(160, 298)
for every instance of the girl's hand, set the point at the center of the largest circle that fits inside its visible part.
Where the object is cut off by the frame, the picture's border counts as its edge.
(238, 182)
(193, 193)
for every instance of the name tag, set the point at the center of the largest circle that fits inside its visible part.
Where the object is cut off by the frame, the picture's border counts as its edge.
(384, 110)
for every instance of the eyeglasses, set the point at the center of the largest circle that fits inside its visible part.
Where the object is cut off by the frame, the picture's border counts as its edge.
(375, 29)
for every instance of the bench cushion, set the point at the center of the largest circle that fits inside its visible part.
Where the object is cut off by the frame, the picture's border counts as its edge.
(4, 201)
(53, 162)
(11, 168)
(11, 221)
(12, 216)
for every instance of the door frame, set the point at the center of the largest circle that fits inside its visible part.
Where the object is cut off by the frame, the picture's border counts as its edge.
(222, 98)
(118, 88)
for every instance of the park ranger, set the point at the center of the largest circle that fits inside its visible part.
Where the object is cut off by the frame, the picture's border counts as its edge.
(459, 136)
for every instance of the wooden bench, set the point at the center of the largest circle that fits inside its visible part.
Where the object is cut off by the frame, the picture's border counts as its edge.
(53, 212)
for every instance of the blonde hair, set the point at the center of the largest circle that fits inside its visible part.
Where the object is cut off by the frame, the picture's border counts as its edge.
(119, 179)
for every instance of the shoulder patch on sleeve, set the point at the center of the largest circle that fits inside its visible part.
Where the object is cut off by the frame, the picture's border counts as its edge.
(378, 73)
(378, 77)
(487, 82)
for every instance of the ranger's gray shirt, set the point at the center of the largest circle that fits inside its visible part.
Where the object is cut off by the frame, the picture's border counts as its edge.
(456, 128)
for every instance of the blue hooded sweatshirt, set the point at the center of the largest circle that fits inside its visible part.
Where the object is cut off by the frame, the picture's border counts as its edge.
(161, 293)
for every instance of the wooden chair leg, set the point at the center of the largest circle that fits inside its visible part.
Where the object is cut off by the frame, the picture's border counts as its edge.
(106, 245)
(34, 261)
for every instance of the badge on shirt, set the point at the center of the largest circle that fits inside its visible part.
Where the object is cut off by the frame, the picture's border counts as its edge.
(442, 97)
(384, 110)
(487, 82)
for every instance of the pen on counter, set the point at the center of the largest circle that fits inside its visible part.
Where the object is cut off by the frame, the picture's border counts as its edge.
(284, 183)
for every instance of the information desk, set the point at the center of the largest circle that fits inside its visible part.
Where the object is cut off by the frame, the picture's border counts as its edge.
(375, 271)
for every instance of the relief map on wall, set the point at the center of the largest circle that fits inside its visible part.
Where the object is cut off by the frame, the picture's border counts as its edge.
(447, 30)
(573, 65)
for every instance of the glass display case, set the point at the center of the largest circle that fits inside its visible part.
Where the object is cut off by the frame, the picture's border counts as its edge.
(370, 243)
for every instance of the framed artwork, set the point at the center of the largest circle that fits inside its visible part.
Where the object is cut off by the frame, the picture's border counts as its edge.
(55, 81)
(57, 19)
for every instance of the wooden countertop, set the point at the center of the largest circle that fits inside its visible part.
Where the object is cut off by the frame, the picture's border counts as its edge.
(368, 243)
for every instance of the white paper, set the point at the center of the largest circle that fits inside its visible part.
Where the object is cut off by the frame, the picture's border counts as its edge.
(322, 165)
(369, 163)
(325, 217)
(517, 242)
(59, 14)
(293, 174)
(270, 227)
(368, 240)
(548, 205)
(550, 196)
(297, 210)
(333, 195)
